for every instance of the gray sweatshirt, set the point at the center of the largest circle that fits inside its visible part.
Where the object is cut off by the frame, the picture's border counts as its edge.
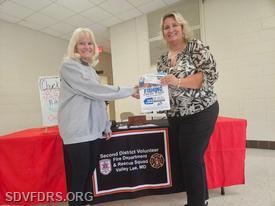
(82, 114)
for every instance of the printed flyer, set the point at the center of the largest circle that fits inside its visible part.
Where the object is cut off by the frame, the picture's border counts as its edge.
(153, 95)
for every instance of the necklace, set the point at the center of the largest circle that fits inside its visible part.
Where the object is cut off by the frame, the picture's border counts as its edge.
(172, 55)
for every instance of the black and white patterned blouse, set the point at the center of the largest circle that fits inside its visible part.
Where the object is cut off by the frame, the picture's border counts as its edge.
(193, 59)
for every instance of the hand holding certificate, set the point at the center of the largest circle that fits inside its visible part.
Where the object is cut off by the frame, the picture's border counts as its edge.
(153, 95)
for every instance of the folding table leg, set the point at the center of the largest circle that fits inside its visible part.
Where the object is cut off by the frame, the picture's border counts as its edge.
(222, 191)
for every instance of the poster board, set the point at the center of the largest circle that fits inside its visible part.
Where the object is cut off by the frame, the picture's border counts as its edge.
(49, 87)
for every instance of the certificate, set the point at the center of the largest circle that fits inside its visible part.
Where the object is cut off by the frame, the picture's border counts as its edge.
(153, 95)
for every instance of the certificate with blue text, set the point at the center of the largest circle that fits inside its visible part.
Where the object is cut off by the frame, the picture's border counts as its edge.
(153, 95)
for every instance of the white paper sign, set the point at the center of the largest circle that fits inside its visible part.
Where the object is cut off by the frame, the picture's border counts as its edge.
(49, 87)
(153, 95)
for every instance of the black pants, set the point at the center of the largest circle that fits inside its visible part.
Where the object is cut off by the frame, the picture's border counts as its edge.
(192, 134)
(80, 162)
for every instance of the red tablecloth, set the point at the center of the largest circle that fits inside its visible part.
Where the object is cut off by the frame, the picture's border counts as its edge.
(32, 161)
(225, 155)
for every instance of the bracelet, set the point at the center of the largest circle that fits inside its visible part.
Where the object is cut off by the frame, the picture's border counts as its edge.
(179, 80)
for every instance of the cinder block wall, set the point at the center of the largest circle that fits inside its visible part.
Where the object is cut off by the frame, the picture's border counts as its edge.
(241, 34)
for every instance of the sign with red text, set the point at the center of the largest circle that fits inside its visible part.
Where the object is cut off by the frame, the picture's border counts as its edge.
(49, 87)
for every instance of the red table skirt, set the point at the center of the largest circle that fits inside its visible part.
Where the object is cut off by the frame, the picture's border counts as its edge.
(31, 161)
(225, 155)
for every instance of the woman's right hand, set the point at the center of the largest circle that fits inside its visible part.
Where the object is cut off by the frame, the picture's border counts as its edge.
(170, 80)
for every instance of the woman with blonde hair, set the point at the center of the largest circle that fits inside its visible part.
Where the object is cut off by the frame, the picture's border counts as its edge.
(82, 116)
(191, 74)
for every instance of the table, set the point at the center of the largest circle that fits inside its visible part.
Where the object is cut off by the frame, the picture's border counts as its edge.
(225, 155)
(31, 163)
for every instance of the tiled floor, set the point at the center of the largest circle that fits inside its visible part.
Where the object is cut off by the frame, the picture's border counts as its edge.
(259, 189)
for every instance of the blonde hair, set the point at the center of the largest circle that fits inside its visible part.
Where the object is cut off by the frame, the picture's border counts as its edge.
(187, 32)
(76, 36)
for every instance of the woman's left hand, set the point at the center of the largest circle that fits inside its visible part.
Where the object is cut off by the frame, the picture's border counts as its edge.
(170, 79)
(108, 135)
